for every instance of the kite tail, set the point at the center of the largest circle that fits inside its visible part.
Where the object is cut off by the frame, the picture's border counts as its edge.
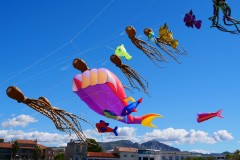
(198, 24)
(115, 131)
(148, 118)
(219, 114)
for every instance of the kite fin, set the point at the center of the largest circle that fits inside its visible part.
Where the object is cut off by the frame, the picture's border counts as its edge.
(129, 99)
(148, 118)
(115, 131)
(219, 113)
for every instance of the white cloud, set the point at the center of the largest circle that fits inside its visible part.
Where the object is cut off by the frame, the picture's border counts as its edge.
(45, 138)
(222, 135)
(182, 136)
(21, 120)
(202, 151)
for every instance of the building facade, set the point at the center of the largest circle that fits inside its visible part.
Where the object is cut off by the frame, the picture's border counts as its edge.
(76, 150)
(27, 150)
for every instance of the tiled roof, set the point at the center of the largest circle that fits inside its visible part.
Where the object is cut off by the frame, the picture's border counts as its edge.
(42, 146)
(102, 155)
(21, 141)
(126, 149)
(6, 145)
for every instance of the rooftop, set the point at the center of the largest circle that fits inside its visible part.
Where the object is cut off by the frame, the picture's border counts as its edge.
(102, 155)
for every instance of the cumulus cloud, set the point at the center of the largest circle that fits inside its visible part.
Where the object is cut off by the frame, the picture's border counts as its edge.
(181, 136)
(45, 138)
(202, 151)
(21, 120)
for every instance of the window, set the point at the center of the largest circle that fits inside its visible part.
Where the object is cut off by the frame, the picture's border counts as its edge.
(151, 158)
(125, 155)
(170, 158)
(176, 158)
(145, 158)
(139, 158)
(163, 158)
(132, 155)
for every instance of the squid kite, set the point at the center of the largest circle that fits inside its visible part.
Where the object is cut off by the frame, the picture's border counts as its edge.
(227, 19)
(190, 20)
(63, 120)
(205, 116)
(122, 52)
(133, 77)
(103, 92)
(150, 51)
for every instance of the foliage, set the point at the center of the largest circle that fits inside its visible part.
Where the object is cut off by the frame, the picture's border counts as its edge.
(93, 146)
(15, 149)
(37, 152)
(233, 156)
(59, 156)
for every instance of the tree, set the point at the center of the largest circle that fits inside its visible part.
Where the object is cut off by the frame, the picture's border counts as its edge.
(93, 146)
(59, 156)
(37, 152)
(15, 149)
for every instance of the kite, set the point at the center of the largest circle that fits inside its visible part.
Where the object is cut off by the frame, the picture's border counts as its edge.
(133, 77)
(205, 116)
(102, 127)
(190, 20)
(103, 92)
(165, 41)
(122, 52)
(152, 53)
(60, 118)
(227, 19)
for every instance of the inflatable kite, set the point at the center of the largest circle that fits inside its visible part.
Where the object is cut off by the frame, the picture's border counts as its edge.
(190, 20)
(103, 92)
(63, 120)
(152, 53)
(122, 52)
(227, 19)
(165, 41)
(102, 127)
(133, 77)
(205, 116)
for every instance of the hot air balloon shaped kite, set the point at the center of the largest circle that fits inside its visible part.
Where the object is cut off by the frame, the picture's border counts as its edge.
(103, 92)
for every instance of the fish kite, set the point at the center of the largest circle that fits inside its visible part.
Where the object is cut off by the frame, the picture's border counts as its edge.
(205, 116)
(102, 127)
(227, 19)
(190, 20)
(103, 92)
(122, 52)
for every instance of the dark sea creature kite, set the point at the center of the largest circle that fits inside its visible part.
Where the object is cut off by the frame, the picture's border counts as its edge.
(190, 20)
(63, 120)
(149, 50)
(102, 127)
(205, 116)
(103, 92)
(133, 77)
(227, 19)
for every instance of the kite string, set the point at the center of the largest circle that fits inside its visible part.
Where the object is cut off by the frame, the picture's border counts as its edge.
(59, 48)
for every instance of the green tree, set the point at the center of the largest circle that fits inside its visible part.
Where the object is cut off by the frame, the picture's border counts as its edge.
(93, 146)
(15, 149)
(37, 153)
(59, 156)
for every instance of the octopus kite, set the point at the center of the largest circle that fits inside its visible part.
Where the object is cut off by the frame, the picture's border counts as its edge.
(165, 41)
(227, 19)
(103, 92)
(133, 77)
(152, 53)
(63, 120)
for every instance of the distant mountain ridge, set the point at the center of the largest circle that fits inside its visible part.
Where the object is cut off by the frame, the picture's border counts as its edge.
(147, 145)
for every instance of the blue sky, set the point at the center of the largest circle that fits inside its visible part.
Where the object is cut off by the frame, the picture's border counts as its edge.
(39, 40)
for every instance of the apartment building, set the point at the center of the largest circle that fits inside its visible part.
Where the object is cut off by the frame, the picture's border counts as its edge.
(26, 150)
